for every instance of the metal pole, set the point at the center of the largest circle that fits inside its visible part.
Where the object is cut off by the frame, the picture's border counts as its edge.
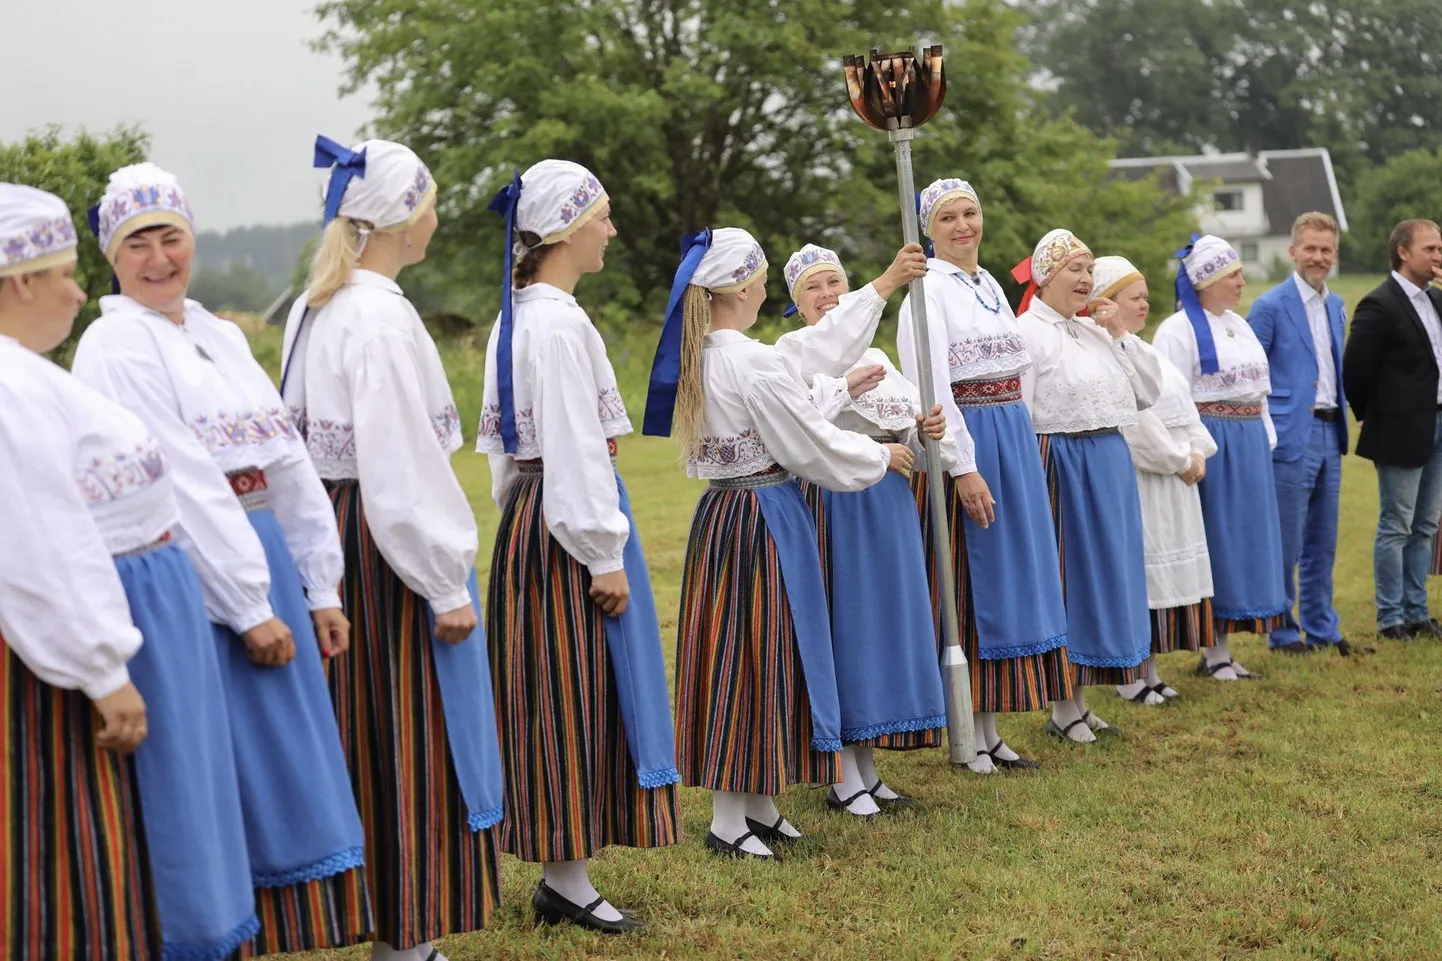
(955, 676)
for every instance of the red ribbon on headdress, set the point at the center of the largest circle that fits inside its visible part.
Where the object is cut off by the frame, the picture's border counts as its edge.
(1021, 273)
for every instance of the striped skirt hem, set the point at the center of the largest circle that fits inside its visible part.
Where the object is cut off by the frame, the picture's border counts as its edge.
(1189, 627)
(921, 732)
(998, 685)
(428, 873)
(331, 912)
(571, 786)
(743, 718)
(74, 876)
(1249, 625)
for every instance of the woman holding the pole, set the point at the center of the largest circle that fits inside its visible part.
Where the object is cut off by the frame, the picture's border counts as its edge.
(1003, 549)
(1088, 379)
(883, 637)
(756, 698)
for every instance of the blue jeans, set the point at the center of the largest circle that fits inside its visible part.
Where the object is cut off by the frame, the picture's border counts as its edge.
(1308, 500)
(1411, 498)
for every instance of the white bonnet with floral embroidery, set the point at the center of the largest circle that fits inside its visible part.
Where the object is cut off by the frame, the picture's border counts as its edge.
(734, 260)
(395, 190)
(36, 232)
(558, 198)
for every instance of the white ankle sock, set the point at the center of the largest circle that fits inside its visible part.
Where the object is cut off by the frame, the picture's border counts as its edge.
(1220, 653)
(380, 951)
(729, 810)
(762, 809)
(866, 763)
(1064, 713)
(571, 881)
(852, 784)
(983, 738)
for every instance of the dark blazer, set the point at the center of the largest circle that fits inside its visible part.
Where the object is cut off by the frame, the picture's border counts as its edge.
(1391, 377)
(1279, 320)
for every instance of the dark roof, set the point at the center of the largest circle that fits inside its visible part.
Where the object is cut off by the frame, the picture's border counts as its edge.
(1232, 171)
(1298, 184)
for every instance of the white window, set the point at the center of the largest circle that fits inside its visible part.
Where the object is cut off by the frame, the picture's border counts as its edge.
(1249, 253)
(1227, 199)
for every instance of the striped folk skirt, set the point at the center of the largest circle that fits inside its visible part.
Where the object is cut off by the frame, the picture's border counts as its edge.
(429, 874)
(998, 685)
(74, 882)
(1186, 628)
(571, 787)
(1436, 555)
(743, 717)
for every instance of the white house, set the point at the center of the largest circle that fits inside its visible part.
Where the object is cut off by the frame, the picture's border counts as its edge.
(1253, 198)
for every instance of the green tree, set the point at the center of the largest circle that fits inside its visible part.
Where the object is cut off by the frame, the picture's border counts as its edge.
(1408, 185)
(697, 112)
(237, 287)
(76, 170)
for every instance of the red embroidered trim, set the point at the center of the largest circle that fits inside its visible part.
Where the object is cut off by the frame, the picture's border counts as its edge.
(247, 482)
(986, 393)
(1227, 409)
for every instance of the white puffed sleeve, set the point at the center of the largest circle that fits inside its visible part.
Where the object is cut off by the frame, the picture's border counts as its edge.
(1143, 368)
(807, 445)
(1201, 439)
(64, 611)
(1044, 344)
(581, 500)
(940, 374)
(214, 531)
(829, 395)
(1175, 341)
(415, 507)
(1153, 447)
(836, 342)
(301, 507)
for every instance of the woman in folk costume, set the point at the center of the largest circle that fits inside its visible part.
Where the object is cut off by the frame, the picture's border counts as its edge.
(100, 608)
(1009, 597)
(255, 521)
(883, 639)
(576, 658)
(1170, 448)
(1227, 368)
(1089, 378)
(756, 698)
(365, 387)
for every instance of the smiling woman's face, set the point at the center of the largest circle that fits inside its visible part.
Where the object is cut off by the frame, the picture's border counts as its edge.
(153, 267)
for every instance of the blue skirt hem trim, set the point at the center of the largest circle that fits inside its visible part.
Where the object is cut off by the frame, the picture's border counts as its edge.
(1246, 615)
(481, 820)
(654, 779)
(338, 863)
(1027, 650)
(1118, 660)
(216, 950)
(826, 745)
(853, 734)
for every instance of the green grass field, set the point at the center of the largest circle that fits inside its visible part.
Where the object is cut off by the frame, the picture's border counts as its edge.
(1295, 817)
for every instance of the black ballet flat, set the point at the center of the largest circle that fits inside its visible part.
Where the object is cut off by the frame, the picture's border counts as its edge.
(1014, 764)
(552, 908)
(888, 805)
(771, 833)
(733, 849)
(834, 802)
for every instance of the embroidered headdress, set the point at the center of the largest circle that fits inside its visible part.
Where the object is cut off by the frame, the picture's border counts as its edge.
(809, 260)
(1110, 275)
(138, 197)
(36, 232)
(1053, 252)
(721, 261)
(1204, 261)
(378, 182)
(552, 199)
(937, 195)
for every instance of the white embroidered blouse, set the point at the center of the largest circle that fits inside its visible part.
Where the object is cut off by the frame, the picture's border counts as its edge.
(759, 414)
(214, 410)
(1243, 375)
(80, 480)
(831, 346)
(1168, 433)
(974, 336)
(566, 406)
(365, 387)
(887, 410)
(1083, 379)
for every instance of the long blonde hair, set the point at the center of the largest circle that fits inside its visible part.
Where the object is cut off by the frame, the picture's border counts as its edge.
(690, 411)
(335, 260)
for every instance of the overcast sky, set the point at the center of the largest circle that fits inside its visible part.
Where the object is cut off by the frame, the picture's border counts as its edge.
(228, 89)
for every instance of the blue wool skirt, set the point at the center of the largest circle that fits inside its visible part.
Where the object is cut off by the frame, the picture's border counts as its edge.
(300, 815)
(1099, 535)
(882, 636)
(185, 768)
(1244, 533)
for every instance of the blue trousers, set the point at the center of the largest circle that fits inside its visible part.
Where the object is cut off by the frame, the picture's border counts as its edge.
(1308, 501)
(1411, 498)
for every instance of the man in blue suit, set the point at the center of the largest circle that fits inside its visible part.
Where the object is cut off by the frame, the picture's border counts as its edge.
(1300, 324)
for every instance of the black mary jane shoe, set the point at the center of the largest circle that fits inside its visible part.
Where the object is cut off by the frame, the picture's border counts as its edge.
(733, 849)
(891, 805)
(836, 804)
(552, 908)
(1013, 764)
(1107, 731)
(1064, 733)
(772, 833)
(1210, 670)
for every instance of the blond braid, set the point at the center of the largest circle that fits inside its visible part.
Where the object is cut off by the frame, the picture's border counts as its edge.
(690, 412)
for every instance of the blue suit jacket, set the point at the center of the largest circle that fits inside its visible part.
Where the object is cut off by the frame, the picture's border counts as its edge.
(1280, 322)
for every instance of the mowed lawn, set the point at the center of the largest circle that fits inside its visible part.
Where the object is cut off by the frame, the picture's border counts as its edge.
(1297, 816)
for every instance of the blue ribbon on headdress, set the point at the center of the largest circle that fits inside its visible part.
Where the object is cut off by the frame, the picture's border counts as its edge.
(92, 217)
(666, 366)
(1192, 304)
(790, 311)
(345, 164)
(504, 203)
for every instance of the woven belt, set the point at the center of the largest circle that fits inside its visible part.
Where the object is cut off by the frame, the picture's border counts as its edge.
(986, 393)
(538, 466)
(1082, 434)
(250, 487)
(1229, 410)
(773, 476)
(152, 547)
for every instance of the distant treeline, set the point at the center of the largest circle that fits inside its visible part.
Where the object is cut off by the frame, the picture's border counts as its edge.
(246, 268)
